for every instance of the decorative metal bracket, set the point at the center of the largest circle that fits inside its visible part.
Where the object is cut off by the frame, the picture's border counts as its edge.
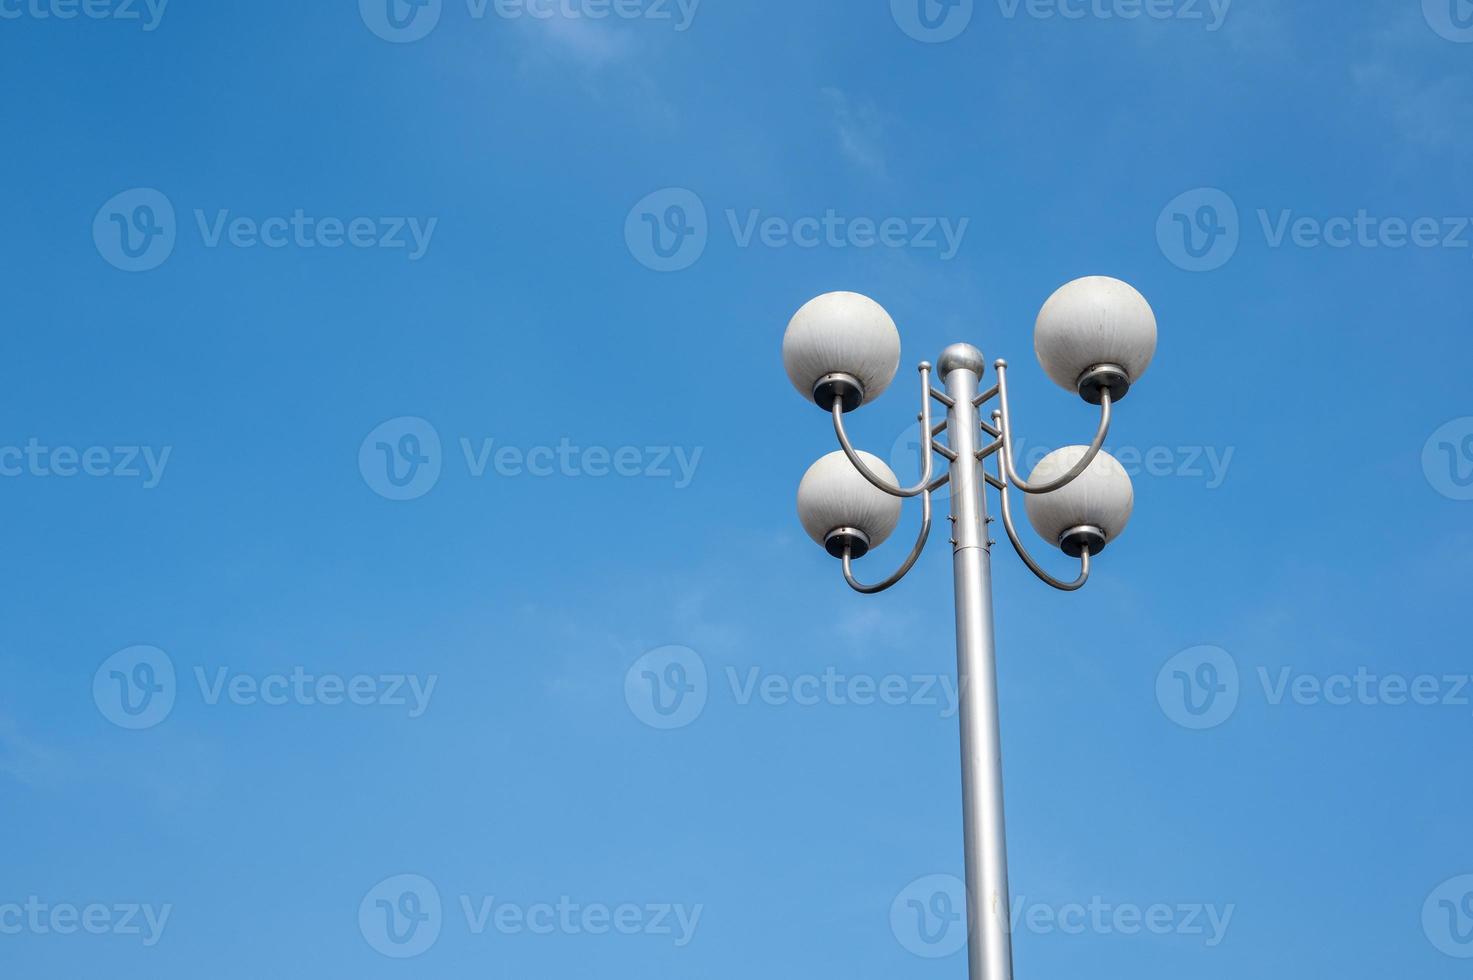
(1081, 543)
(927, 467)
(915, 554)
(1003, 417)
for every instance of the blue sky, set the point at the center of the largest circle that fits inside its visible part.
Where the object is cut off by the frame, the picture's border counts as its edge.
(254, 677)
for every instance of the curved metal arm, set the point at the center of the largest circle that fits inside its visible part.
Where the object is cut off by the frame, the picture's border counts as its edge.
(1004, 419)
(1033, 566)
(915, 553)
(928, 461)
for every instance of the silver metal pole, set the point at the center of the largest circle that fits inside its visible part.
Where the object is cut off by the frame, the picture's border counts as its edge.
(989, 942)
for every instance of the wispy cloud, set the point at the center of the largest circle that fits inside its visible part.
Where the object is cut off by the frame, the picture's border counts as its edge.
(25, 759)
(860, 128)
(1429, 108)
(1432, 113)
(589, 43)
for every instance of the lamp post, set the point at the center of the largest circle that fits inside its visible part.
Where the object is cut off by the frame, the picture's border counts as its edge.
(1095, 337)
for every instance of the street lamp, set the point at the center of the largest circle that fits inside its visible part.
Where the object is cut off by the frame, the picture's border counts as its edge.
(1095, 337)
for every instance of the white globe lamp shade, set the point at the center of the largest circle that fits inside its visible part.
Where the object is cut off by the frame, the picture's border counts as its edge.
(1091, 510)
(1096, 334)
(838, 506)
(841, 345)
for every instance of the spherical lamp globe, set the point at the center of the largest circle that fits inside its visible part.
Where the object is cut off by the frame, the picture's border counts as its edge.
(841, 345)
(1096, 334)
(1090, 511)
(839, 507)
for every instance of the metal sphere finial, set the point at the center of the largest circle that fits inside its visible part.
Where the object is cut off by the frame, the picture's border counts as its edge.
(962, 357)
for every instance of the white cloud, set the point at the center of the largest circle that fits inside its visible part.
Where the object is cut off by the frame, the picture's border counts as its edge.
(1433, 114)
(861, 129)
(589, 43)
(1428, 108)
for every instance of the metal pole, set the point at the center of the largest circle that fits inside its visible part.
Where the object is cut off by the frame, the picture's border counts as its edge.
(989, 939)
